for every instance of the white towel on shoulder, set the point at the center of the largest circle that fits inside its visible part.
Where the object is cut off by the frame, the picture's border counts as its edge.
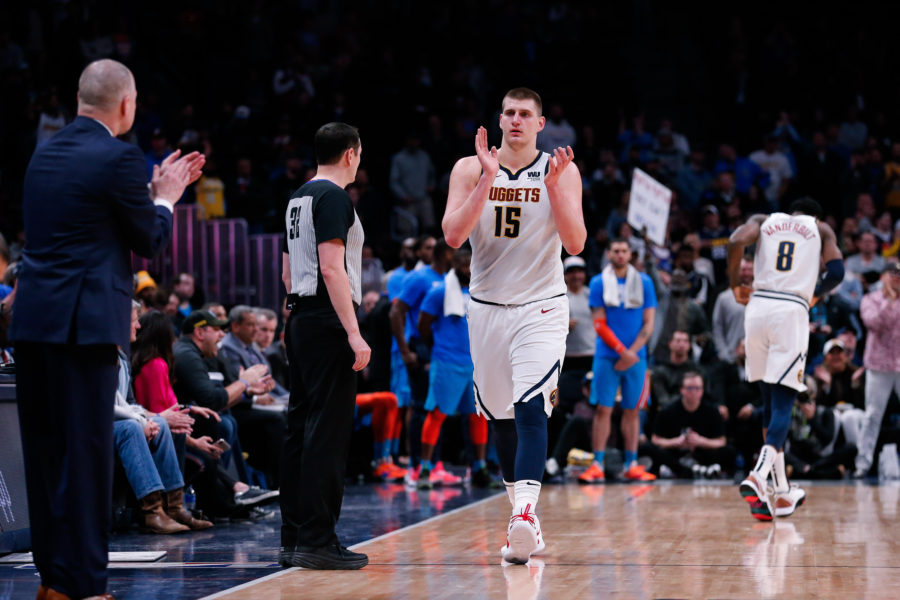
(454, 303)
(634, 288)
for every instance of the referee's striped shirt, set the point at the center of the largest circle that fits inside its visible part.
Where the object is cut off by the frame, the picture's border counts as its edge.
(318, 212)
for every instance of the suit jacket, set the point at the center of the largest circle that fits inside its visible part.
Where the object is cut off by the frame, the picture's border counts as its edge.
(86, 208)
(238, 357)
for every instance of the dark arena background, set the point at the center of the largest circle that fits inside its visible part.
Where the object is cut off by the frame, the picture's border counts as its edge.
(736, 110)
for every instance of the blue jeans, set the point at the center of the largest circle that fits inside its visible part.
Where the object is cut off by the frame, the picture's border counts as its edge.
(150, 466)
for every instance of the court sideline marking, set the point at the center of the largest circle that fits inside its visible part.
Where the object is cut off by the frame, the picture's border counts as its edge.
(384, 536)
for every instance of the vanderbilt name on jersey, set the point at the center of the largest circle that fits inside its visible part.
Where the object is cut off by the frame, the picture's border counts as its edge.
(515, 246)
(787, 255)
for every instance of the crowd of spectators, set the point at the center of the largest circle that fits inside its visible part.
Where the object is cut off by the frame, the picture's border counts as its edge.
(273, 72)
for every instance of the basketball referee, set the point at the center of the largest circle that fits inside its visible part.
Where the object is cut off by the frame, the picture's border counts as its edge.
(321, 271)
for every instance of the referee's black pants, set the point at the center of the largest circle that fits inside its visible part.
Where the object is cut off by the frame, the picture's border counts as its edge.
(66, 395)
(320, 423)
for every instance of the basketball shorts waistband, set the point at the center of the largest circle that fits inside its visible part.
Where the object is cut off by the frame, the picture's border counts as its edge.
(474, 299)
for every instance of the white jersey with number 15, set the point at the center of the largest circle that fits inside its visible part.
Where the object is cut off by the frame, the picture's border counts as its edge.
(515, 246)
(787, 255)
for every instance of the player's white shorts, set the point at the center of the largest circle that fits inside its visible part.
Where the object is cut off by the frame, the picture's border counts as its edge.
(518, 353)
(777, 339)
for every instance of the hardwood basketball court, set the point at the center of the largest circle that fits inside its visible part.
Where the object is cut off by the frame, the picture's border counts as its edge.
(661, 540)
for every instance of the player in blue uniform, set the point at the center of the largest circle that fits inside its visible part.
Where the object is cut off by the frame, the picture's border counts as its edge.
(623, 302)
(442, 325)
(415, 355)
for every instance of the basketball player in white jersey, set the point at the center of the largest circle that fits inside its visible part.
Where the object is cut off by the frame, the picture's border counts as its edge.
(519, 207)
(776, 327)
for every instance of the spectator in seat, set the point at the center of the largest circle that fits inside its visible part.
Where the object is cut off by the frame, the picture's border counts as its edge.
(184, 289)
(197, 383)
(868, 259)
(262, 431)
(840, 386)
(689, 435)
(668, 375)
(276, 352)
(581, 338)
(814, 449)
(151, 362)
(144, 445)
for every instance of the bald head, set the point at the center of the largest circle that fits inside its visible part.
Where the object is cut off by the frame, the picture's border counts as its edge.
(103, 84)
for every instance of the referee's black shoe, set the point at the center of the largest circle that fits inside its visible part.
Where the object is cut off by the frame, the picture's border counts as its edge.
(333, 557)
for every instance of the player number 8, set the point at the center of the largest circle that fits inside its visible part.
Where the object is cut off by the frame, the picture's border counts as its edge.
(785, 259)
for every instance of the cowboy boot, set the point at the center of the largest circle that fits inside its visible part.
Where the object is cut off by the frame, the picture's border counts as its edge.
(174, 502)
(154, 519)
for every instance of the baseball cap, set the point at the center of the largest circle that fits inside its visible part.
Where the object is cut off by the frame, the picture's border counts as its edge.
(892, 267)
(142, 281)
(573, 262)
(201, 318)
(710, 208)
(830, 344)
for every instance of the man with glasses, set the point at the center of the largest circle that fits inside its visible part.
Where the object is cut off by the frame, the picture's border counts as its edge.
(689, 436)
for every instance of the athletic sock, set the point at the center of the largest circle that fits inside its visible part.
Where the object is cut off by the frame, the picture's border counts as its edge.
(764, 464)
(598, 457)
(630, 458)
(395, 446)
(478, 465)
(378, 451)
(527, 492)
(511, 492)
(779, 477)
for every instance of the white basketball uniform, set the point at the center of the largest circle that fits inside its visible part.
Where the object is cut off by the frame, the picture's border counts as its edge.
(776, 322)
(519, 313)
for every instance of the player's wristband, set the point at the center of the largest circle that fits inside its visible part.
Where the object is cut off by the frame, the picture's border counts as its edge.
(833, 276)
(246, 385)
(606, 334)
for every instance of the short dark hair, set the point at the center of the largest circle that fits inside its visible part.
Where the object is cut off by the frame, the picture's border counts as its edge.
(420, 241)
(620, 240)
(441, 246)
(332, 140)
(523, 93)
(691, 375)
(807, 206)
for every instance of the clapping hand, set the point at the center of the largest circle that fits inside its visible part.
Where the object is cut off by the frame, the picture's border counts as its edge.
(174, 174)
(488, 158)
(558, 163)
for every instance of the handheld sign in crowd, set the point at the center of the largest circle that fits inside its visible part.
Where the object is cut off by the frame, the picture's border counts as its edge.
(649, 206)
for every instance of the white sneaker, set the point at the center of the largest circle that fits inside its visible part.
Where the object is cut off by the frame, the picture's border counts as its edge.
(787, 502)
(523, 537)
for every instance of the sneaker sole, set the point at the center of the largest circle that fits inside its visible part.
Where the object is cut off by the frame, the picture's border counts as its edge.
(522, 544)
(259, 499)
(760, 511)
(749, 492)
(312, 561)
(591, 482)
(540, 549)
(792, 509)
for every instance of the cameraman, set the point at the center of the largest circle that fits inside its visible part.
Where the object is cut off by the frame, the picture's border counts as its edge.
(813, 449)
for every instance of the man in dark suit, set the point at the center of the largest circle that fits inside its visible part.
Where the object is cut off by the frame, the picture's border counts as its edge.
(86, 208)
